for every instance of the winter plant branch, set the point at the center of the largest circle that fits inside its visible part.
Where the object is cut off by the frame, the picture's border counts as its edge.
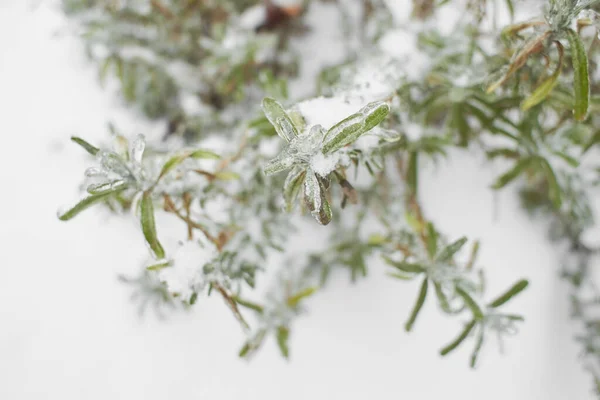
(219, 76)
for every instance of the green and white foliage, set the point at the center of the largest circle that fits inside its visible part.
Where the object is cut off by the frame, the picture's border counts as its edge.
(405, 93)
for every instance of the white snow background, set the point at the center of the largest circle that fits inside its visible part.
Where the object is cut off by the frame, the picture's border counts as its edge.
(68, 330)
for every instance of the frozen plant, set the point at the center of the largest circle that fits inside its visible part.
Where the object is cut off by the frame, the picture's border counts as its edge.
(397, 90)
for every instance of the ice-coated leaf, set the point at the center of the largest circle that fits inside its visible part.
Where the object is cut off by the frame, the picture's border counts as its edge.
(456, 342)
(291, 188)
(418, 305)
(179, 158)
(510, 293)
(314, 196)
(86, 146)
(374, 113)
(352, 127)
(136, 149)
(581, 76)
(113, 163)
(283, 161)
(100, 188)
(280, 120)
(85, 203)
(149, 226)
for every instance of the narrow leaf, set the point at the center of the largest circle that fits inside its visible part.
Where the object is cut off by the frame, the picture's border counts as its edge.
(404, 266)
(512, 174)
(581, 88)
(472, 304)
(510, 293)
(283, 335)
(86, 146)
(554, 190)
(456, 342)
(546, 87)
(86, 203)
(448, 252)
(295, 299)
(412, 173)
(432, 238)
(179, 158)
(280, 120)
(418, 305)
(477, 349)
(149, 225)
(292, 186)
(351, 128)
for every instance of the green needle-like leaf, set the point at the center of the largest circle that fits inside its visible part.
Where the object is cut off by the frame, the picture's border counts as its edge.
(418, 305)
(178, 159)
(283, 335)
(546, 87)
(581, 75)
(86, 146)
(472, 304)
(513, 173)
(86, 203)
(149, 225)
(280, 120)
(460, 338)
(351, 128)
(449, 251)
(510, 293)
(412, 173)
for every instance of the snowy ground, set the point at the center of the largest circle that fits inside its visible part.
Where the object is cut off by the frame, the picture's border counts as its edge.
(67, 330)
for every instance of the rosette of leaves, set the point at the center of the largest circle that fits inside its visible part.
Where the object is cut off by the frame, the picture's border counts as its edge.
(307, 145)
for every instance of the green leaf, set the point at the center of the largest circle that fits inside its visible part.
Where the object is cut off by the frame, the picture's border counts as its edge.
(85, 203)
(283, 335)
(432, 239)
(477, 349)
(315, 198)
(159, 266)
(352, 127)
(554, 190)
(404, 266)
(106, 187)
(510, 293)
(546, 87)
(448, 252)
(412, 173)
(149, 225)
(418, 305)
(291, 188)
(472, 304)
(295, 299)
(581, 88)
(280, 163)
(280, 120)
(86, 146)
(227, 176)
(179, 158)
(456, 342)
(513, 173)
(248, 304)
